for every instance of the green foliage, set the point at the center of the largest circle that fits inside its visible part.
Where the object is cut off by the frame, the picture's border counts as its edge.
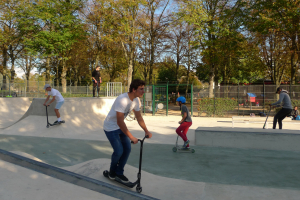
(50, 27)
(222, 105)
(166, 71)
(295, 103)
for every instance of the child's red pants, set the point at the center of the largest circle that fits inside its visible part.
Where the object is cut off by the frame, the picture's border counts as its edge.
(183, 129)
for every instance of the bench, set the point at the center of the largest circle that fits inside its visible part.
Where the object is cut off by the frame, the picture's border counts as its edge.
(260, 120)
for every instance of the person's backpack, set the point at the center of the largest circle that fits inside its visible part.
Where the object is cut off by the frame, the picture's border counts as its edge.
(298, 117)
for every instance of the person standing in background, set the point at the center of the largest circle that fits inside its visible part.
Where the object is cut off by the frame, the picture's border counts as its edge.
(96, 80)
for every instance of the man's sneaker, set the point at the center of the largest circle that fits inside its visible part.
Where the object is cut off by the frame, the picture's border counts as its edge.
(56, 122)
(112, 175)
(185, 144)
(122, 178)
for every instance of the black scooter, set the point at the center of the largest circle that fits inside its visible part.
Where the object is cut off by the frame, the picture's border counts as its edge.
(267, 118)
(138, 182)
(48, 123)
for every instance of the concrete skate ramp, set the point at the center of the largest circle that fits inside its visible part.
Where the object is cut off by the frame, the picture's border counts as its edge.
(154, 186)
(12, 109)
(83, 116)
(68, 176)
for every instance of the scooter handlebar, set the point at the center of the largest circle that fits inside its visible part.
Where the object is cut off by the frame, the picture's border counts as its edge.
(147, 136)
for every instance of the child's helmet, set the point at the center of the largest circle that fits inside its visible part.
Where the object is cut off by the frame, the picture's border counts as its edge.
(181, 99)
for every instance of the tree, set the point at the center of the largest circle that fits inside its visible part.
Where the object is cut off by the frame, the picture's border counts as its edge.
(281, 18)
(275, 24)
(27, 63)
(208, 20)
(10, 37)
(154, 26)
(52, 28)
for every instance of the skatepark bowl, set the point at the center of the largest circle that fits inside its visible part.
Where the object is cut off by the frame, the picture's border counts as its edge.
(67, 161)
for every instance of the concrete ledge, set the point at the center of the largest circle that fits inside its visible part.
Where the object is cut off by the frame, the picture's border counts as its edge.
(269, 139)
(71, 177)
(260, 120)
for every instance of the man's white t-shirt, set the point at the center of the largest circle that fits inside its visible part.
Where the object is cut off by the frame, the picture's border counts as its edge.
(124, 105)
(55, 93)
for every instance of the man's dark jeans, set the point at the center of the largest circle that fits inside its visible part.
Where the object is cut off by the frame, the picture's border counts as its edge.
(122, 148)
(280, 116)
(96, 86)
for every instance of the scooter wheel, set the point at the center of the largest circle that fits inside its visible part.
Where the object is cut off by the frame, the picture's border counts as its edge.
(47, 126)
(139, 189)
(193, 150)
(174, 149)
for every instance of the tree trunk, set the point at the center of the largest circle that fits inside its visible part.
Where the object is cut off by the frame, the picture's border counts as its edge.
(63, 76)
(96, 62)
(152, 38)
(12, 69)
(188, 70)
(47, 69)
(211, 82)
(4, 64)
(27, 72)
(76, 76)
(130, 68)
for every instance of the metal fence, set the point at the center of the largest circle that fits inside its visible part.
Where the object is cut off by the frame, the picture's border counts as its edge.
(113, 89)
(249, 98)
(35, 89)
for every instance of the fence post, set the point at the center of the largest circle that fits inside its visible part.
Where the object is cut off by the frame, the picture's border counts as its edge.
(238, 96)
(70, 89)
(264, 96)
(215, 101)
(144, 96)
(153, 100)
(38, 87)
(9, 88)
(167, 98)
(192, 102)
(291, 88)
(87, 89)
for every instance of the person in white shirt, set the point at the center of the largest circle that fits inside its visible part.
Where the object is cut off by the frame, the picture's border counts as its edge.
(59, 101)
(116, 131)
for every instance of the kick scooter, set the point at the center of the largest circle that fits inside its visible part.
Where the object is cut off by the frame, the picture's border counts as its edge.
(48, 123)
(179, 149)
(267, 118)
(138, 182)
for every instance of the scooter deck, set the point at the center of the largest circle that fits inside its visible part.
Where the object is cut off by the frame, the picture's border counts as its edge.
(186, 150)
(49, 124)
(130, 184)
(61, 122)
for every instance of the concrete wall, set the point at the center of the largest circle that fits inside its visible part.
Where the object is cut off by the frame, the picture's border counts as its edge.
(12, 109)
(72, 106)
(269, 139)
(86, 108)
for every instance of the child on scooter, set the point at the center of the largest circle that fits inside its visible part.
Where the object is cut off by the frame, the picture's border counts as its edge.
(185, 122)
